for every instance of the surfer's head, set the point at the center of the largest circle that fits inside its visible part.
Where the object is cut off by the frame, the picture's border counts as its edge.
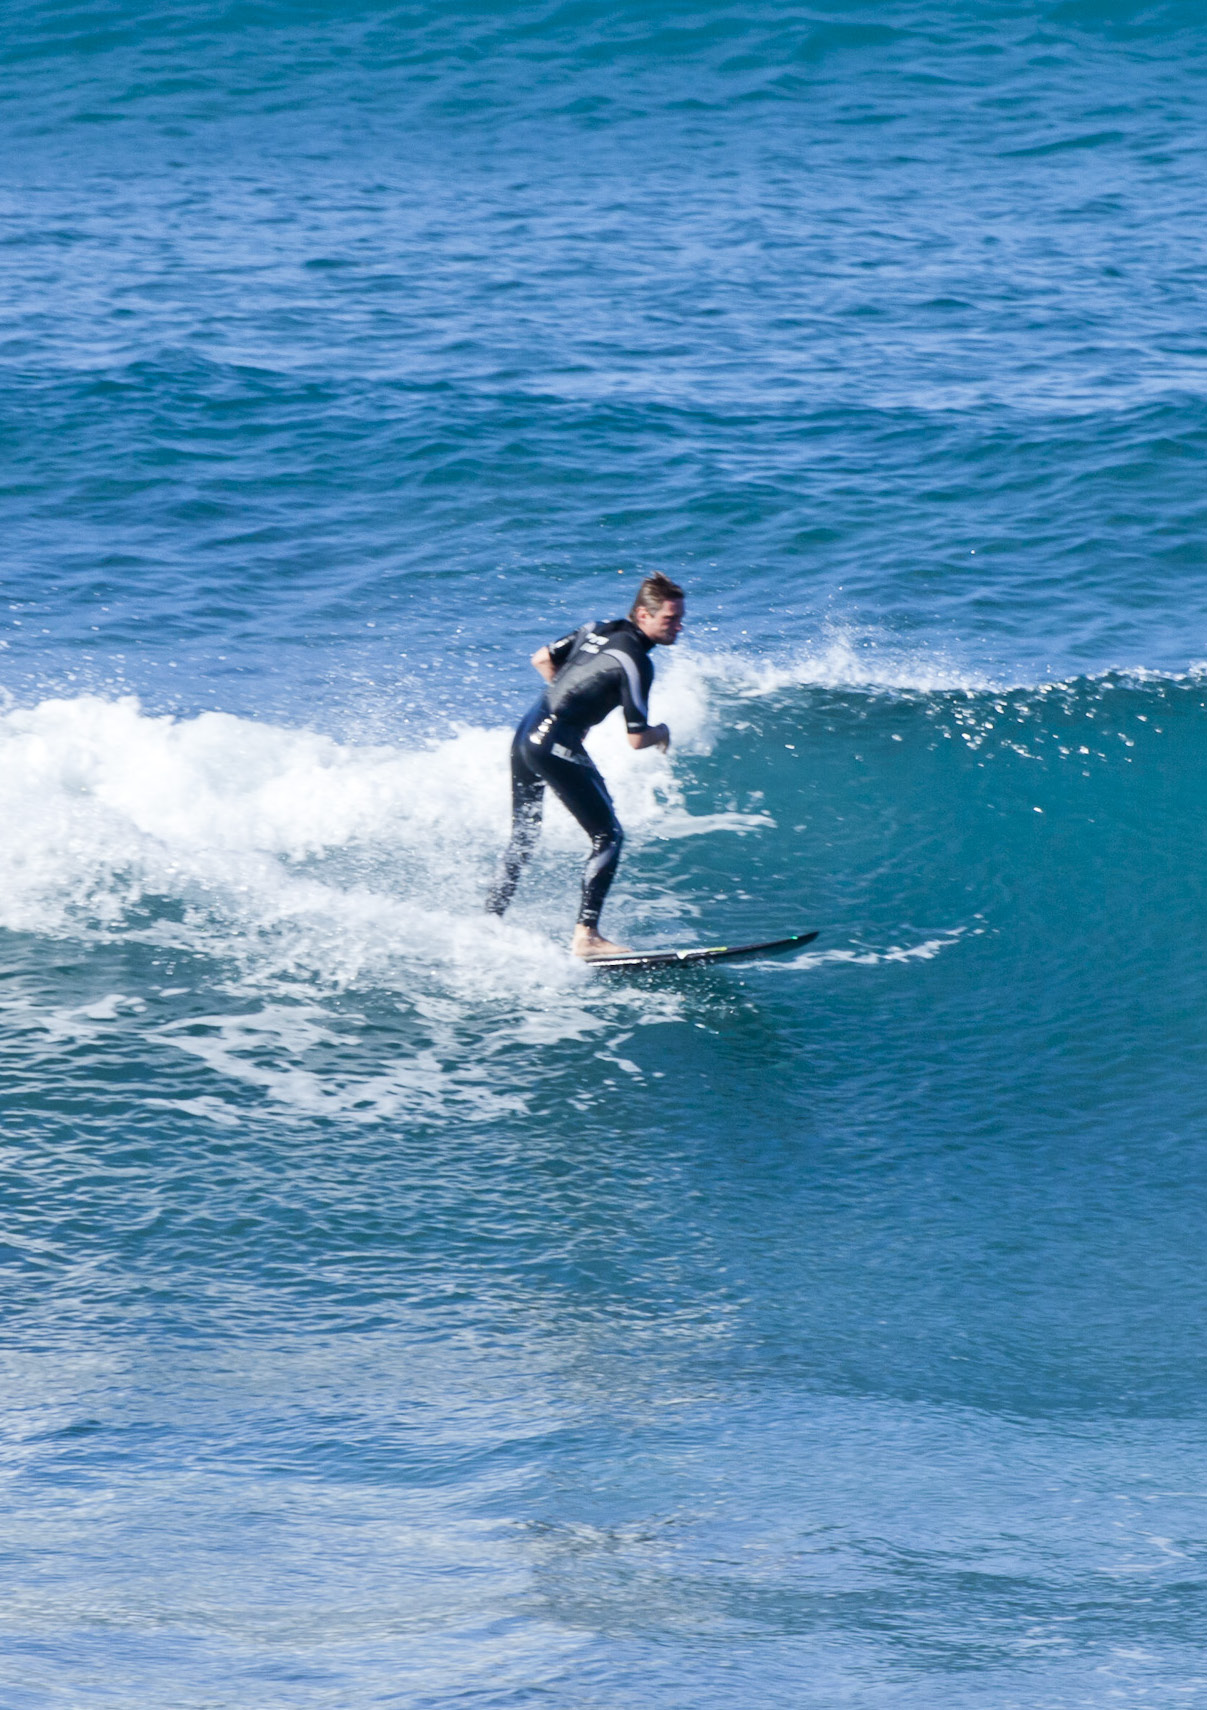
(658, 610)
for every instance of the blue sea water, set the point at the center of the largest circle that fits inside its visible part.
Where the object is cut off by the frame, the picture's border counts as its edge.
(394, 1311)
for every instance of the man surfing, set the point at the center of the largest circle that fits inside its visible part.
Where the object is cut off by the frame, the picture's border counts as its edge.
(597, 668)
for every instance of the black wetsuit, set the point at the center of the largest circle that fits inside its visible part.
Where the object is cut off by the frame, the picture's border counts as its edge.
(599, 667)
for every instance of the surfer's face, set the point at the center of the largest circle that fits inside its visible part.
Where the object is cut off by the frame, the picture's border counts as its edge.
(661, 627)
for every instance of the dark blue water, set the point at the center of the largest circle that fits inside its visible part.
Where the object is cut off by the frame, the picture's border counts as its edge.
(396, 1312)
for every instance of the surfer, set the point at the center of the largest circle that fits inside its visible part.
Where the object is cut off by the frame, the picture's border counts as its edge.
(588, 673)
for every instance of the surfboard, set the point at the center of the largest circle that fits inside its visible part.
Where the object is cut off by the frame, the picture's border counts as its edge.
(695, 958)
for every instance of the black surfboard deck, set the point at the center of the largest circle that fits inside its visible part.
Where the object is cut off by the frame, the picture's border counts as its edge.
(695, 958)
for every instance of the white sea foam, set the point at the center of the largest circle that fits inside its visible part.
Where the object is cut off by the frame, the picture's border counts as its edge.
(271, 1051)
(285, 867)
(698, 678)
(838, 660)
(924, 952)
(283, 848)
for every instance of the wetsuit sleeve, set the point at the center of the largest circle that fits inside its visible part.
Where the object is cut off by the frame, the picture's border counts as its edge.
(634, 693)
(559, 651)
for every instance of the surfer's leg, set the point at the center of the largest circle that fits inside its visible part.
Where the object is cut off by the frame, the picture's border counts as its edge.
(599, 872)
(527, 803)
(582, 790)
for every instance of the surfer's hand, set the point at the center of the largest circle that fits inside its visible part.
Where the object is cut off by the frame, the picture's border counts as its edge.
(662, 737)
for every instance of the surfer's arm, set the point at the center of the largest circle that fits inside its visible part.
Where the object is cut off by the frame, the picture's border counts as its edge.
(549, 660)
(653, 736)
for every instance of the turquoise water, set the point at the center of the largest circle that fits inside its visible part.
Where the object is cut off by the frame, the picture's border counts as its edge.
(394, 1311)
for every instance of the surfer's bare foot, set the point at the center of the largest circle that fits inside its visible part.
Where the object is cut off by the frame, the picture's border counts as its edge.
(588, 944)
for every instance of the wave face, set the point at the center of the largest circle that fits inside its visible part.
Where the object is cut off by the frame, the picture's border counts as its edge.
(397, 1311)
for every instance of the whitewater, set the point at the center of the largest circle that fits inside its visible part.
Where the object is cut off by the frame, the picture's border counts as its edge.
(395, 1310)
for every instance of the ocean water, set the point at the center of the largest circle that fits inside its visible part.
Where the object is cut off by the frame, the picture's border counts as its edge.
(395, 1312)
